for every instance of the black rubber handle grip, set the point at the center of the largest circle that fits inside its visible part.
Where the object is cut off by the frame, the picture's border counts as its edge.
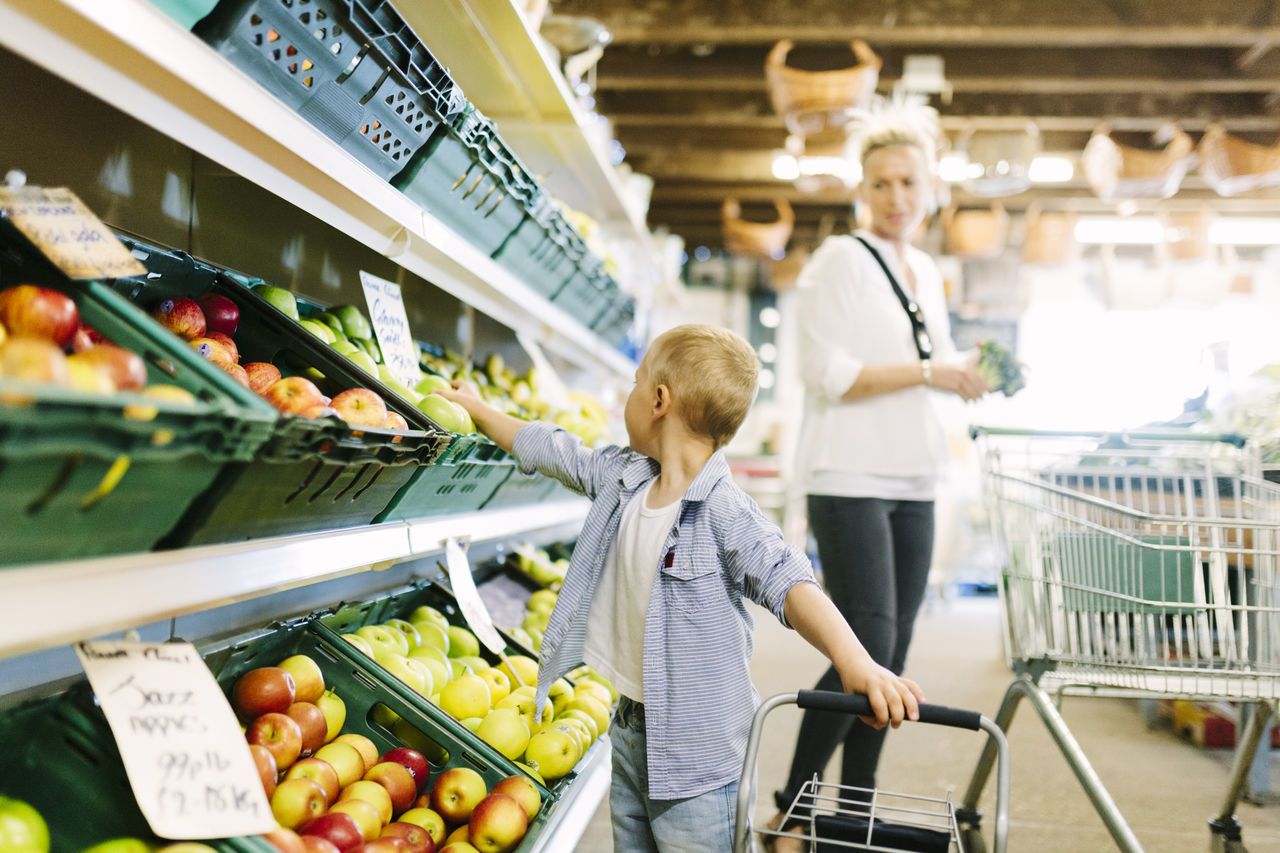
(859, 706)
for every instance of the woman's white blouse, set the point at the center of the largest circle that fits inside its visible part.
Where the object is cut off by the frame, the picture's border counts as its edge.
(891, 445)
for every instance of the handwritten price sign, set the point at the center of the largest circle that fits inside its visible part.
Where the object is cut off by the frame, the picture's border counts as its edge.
(190, 770)
(391, 327)
(57, 223)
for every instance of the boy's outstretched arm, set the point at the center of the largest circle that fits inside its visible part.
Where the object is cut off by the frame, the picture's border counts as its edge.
(499, 426)
(813, 616)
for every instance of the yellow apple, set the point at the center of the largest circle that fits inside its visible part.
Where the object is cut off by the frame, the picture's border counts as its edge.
(587, 687)
(428, 820)
(384, 639)
(410, 633)
(466, 696)
(428, 676)
(477, 663)
(359, 642)
(561, 695)
(398, 666)
(499, 685)
(335, 713)
(431, 634)
(472, 723)
(506, 731)
(552, 753)
(459, 668)
(575, 729)
(533, 773)
(441, 671)
(372, 793)
(586, 719)
(519, 665)
(462, 643)
(542, 601)
(429, 614)
(598, 710)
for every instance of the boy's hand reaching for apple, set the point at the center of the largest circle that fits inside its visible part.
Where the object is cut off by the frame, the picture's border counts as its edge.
(463, 393)
(893, 698)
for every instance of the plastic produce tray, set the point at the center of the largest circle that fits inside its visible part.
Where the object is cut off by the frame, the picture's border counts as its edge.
(363, 685)
(60, 758)
(538, 251)
(313, 474)
(352, 68)
(61, 450)
(614, 325)
(398, 604)
(467, 178)
(463, 479)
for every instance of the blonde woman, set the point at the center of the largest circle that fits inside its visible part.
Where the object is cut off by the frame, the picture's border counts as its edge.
(875, 347)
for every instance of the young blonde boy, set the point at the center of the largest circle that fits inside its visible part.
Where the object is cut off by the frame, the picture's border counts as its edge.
(653, 597)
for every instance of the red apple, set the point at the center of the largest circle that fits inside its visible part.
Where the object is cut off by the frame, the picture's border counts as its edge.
(365, 815)
(125, 367)
(237, 373)
(367, 748)
(293, 395)
(523, 791)
(308, 678)
(35, 360)
(213, 351)
(320, 411)
(316, 844)
(297, 801)
(456, 794)
(395, 421)
(265, 690)
(262, 375)
(220, 313)
(318, 771)
(497, 824)
(345, 759)
(415, 762)
(313, 724)
(30, 311)
(85, 338)
(417, 839)
(280, 735)
(361, 407)
(383, 845)
(227, 344)
(266, 764)
(398, 781)
(181, 316)
(339, 829)
(285, 840)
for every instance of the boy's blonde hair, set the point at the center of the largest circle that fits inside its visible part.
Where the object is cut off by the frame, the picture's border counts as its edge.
(713, 375)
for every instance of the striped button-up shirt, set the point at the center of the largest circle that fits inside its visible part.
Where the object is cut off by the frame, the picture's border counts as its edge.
(698, 695)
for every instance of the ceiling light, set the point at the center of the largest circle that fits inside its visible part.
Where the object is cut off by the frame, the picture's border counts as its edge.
(954, 167)
(1047, 169)
(1119, 231)
(1241, 231)
(785, 167)
(770, 317)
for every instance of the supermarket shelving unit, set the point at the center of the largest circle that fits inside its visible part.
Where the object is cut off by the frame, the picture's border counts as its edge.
(131, 56)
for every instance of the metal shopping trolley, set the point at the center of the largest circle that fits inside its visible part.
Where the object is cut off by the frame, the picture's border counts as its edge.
(1135, 565)
(840, 817)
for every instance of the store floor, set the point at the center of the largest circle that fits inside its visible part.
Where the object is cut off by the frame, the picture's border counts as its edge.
(1164, 787)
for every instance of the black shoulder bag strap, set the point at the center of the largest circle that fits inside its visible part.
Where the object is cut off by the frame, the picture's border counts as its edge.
(920, 332)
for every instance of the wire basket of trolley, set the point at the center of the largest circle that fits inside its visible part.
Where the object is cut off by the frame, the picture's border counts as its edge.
(834, 817)
(1134, 565)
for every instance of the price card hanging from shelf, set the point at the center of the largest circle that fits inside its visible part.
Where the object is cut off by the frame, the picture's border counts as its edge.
(187, 762)
(463, 585)
(391, 327)
(67, 232)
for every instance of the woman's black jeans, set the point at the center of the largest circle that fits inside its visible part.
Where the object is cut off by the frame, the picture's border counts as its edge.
(875, 564)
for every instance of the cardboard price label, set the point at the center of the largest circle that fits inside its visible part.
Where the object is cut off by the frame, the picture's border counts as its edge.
(391, 327)
(472, 606)
(190, 771)
(68, 233)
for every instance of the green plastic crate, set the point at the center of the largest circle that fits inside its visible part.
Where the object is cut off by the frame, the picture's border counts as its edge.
(520, 489)
(538, 252)
(58, 445)
(460, 180)
(312, 474)
(185, 12)
(59, 756)
(463, 479)
(362, 685)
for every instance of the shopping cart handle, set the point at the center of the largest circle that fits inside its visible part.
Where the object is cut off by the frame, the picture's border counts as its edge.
(858, 705)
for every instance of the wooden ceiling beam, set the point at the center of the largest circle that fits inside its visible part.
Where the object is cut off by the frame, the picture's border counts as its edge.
(1007, 85)
(1050, 123)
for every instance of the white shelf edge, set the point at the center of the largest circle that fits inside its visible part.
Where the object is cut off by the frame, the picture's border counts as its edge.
(130, 55)
(81, 599)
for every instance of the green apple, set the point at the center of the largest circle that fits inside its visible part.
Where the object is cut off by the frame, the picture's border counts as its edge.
(552, 753)
(431, 384)
(432, 634)
(345, 347)
(371, 349)
(459, 668)
(382, 638)
(521, 636)
(360, 643)
(120, 845)
(462, 643)
(506, 731)
(280, 298)
(399, 666)
(428, 650)
(22, 827)
(429, 614)
(320, 330)
(446, 413)
(542, 601)
(440, 670)
(332, 322)
(477, 663)
(361, 359)
(535, 621)
(354, 323)
(472, 723)
(466, 696)
(410, 633)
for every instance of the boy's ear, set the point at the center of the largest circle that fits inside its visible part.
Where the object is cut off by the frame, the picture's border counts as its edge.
(661, 400)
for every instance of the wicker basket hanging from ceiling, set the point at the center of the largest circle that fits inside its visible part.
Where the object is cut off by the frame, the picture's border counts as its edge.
(817, 103)
(1050, 237)
(1232, 166)
(766, 240)
(1116, 171)
(976, 233)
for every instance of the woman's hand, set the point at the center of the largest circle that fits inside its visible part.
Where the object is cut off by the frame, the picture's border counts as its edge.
(960, 378)
(893, 698)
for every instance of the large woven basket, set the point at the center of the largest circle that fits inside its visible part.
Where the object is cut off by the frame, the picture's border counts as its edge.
(1116, 171)
(1050, 237)
(976, 233)
(817, 103)
(1232, 166)
(767, 240)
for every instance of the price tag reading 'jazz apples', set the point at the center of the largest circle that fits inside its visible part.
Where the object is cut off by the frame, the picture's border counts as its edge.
(57, 223)
(391, 327)
(469, 601)
(190, 770)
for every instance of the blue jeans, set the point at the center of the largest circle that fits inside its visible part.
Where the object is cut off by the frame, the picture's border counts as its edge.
(701, 824)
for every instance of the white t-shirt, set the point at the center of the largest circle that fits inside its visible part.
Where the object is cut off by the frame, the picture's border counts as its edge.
(889, 446)
(615, 624)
